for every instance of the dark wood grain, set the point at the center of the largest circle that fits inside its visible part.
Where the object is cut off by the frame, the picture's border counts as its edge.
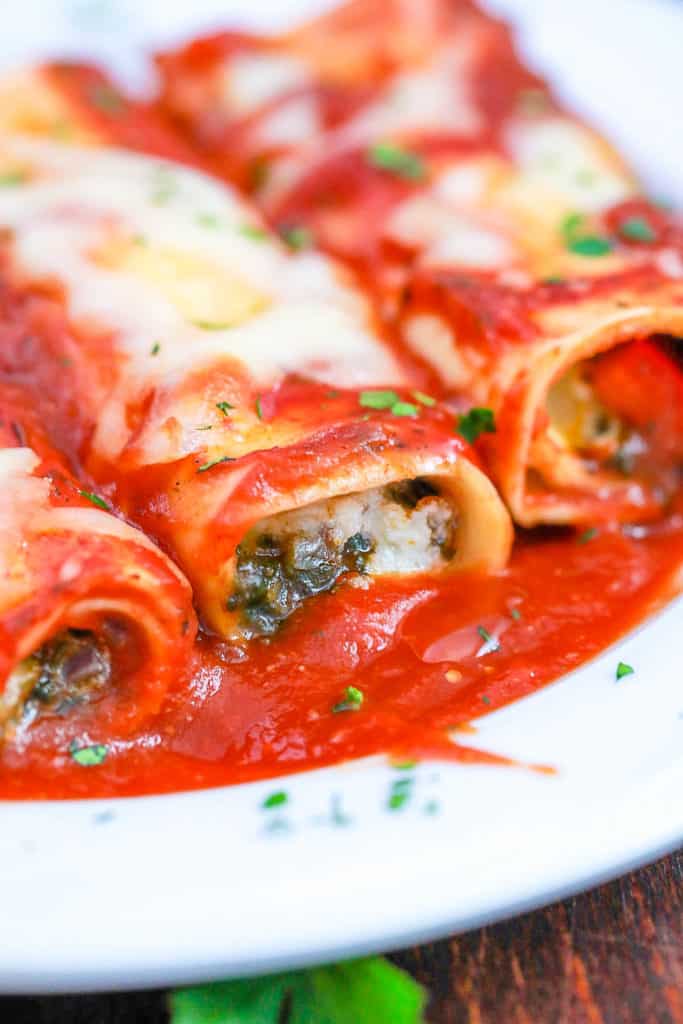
(611, 956)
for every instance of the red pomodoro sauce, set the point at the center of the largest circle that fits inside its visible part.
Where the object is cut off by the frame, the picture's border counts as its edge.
(418, 653)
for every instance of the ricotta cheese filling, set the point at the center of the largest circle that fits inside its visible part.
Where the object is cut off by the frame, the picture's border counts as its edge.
(407, 527)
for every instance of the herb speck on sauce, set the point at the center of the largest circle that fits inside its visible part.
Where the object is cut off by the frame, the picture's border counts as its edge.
(353, 700)
(89, 755)
(277, 799)
(476, 422)
(388, 156)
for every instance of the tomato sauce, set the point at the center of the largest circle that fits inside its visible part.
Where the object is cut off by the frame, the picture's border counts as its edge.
(429, 655)
(429, 658)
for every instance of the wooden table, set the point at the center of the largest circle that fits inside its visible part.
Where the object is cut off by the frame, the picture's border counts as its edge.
(611, 956)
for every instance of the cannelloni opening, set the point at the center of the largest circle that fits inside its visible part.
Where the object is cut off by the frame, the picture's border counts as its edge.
(407, 527)
(96, 621)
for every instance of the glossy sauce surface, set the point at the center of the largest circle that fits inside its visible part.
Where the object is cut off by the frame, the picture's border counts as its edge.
(418, 653)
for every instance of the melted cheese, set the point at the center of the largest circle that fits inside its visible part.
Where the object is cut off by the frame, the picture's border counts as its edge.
(28, 104)
(201, 291)
(421, 99)
(249, 80)
(560, 157)
(173, 266)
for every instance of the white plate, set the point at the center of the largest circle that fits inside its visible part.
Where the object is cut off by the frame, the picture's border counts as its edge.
(100, 894)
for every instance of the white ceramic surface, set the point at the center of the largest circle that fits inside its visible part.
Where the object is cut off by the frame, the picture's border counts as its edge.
(103, 894)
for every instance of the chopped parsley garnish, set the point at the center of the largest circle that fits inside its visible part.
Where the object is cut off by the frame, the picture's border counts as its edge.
(553, 279)
(516, 614)
(214, 462)
(208, 220)
(400, 793)
(404, 766)
(95, 500)
(581, 241)
(590, 245)
(353, 700)
(88, 756)
(387, 400)
(475, 422)
(491, 643)
(624, 670)
(423, 399)
(13, 178)
(637, 229)
(155, 349)
(404, 409)
(224, 407)
(378, 399)
(297, 237)
(165, 186)
(533, 101)
(106, 99)
(387, 156)
(259, 407)
(587, 535)
(210, 325)
(277, 799)
(253, 231)
(485, 699)
(361, 991)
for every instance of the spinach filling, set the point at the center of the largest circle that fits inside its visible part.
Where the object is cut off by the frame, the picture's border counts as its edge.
(71, 669)
(276, 574)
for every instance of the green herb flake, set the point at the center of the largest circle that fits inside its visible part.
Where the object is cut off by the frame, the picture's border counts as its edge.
(533, 101)
(378, 399)
(476, 422)
(580, 241)
(624, 670)
(253, 231)
(359, 991)
(423, 399)
(386, 156)
(515, 614)
(491, 643)
(404, 409)
(590, 534)
(107, 99)
(553, 279)
(485, 699)
(224, 407)
(210, 325)
(155, 349)
(95, 500)
(12, 178)
(88, 756)
(214, 462)
(297, 237)
(259, 407)
(637, 229)
(404, 766)
(277, 799)
(208, 220)
(353, 700)
(400, 794)
(590, 245)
